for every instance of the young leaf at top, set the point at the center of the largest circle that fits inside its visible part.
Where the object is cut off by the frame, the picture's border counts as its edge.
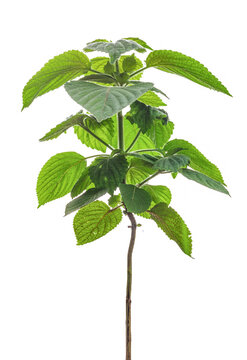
(83, 200)
(140, 42)
(95, 41)
(109, 172)
(103, 130)
(176, 63)
(94, 221)
(115, 50)
(144, 115)
(173, 225)
(58, 176)
(197, 160)
(171, 163)
(203, 180)
(104, 101)
(136, 200)
(158, 193)
(54, 74)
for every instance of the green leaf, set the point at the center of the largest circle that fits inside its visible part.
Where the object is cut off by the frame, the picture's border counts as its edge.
(140, 42)
(146, 157)
(173, 225)
(84, 182)
(58, 176)
(109, 172)
(144, 115)
(98, 63)
(115, 50)
(158, 193)
(95, 41)
(104, 101)
(63, 127)
(94, 221)
(114, 200)
(83, 200)
(152, 99)
(203, 180)
(126, 64)
(197, 160)
(172, 163)
(160, 133)
(179, 64)
(138, 171)
(103, 130)
(136, 200)
(54, 74)
(99, 78)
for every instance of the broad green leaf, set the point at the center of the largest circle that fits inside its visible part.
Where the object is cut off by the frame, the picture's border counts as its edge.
(138, 171)
(114, 200)
(58, 176)
(99, 78)
(140, 42)
(173, 225)
(84, 199)
(197, 160)
(144, 115)
(109, 172)
(172, 163)
(115, 50)
(103, 130)
(152, 99)
(54, 74)
(104, 101)
(179, 64)
(64, 126)
(136, 200)
(94, 221)
(203, 180)
(160, 133)
(84, 182)
(158, 193)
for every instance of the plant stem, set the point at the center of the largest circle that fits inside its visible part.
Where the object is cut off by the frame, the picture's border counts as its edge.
(149, 178)
(120, 131)
(137, 72)
(129, 285)
(133, 142)
(96, 137)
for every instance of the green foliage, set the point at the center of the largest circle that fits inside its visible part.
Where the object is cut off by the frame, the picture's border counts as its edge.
(140, 42)
(176, 63)
(197, 160)
(103, 130)
(58, 176)
(83, 200)
(144, 115)
(84, 182)
(115, 50)
(136, 200)
(152, 99)
(203, 180)
(94, 221)
(158, 193)
(104, 101)
(160, 133)
(55, 73)
(109, 172)
(114, 200)
(99, 78)
(130, 64)
(173, 225)
(172, 163)
(138, 171)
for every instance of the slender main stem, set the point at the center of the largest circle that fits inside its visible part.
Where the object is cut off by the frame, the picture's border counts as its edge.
(120, 131)
(129, 285)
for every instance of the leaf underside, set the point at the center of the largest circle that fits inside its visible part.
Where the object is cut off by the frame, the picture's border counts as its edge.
(172, 163)
(88, 197)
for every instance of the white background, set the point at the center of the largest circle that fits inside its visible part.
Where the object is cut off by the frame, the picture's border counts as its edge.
(61, 301)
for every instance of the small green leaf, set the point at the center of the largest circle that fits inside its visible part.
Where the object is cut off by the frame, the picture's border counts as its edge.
(158, 193)
(54, 74)
(176, 63)
(144, 115)
(104, 101)
(136, 200)
(138, 171)
(203, 180)
(109, 172)
(129, 64)
(173, 225)
(98, 63)
(197, 160)
(114, 200)
(140, 42)
(115, 50)
(94, 221)
(84, 182)
(103, 130)
(172, 163)
(58, 176)
(160, 133)
(152, 99)
(83, 200)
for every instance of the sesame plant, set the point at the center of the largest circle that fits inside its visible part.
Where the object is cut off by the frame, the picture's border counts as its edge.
(123, 119)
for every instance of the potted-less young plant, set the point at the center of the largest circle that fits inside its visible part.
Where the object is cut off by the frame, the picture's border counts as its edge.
(134, 147)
